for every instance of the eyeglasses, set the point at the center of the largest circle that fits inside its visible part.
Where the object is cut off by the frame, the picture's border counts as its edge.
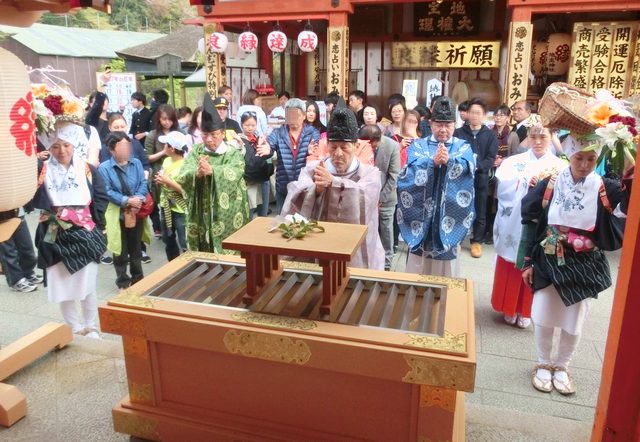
(250, 113)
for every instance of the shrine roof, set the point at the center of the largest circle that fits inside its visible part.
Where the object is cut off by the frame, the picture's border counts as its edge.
(183, 42)
(76, 42)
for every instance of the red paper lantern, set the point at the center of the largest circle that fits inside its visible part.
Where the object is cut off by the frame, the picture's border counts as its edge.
(307, 41)
(218, 42)
(248, 42)
(277, 41)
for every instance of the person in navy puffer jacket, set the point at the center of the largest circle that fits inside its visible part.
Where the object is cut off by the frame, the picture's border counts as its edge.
(292, 142)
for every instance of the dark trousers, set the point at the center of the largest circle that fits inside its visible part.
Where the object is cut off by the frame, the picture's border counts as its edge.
(480, 224)
(130, 254)
(175, 239)
(262, 209)
(155, 218)
(17, 256)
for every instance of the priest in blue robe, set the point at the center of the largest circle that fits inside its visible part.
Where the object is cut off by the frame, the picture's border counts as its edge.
(436, 196)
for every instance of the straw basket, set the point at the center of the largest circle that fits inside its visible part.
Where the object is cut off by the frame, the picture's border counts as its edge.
(564, 107)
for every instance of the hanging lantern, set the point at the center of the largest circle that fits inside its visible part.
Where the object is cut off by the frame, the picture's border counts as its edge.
(539, 58)
(307, 41)
(558, 54)
(218, 42)
(17, 139)
(277, 41)
(248, 42)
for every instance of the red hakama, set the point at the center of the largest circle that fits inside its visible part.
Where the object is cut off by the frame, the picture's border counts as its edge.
(510, 294)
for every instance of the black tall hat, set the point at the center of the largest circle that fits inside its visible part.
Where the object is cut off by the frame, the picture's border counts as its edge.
(444, 109)
(343, 125)
(210, 119)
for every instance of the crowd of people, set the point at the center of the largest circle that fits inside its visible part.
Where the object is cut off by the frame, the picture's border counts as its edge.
(192, 178)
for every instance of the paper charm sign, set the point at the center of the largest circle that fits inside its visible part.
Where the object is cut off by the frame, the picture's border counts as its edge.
(434, 89)
(118, 87)
(410, 92)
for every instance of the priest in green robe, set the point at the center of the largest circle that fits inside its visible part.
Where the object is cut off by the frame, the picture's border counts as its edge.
(212, 179)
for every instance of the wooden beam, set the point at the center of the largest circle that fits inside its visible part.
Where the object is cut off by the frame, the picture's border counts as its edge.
(548, 6)
(32, 346)
(252, 10)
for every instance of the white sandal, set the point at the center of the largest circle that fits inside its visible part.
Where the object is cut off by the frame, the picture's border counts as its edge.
(523, 322)
(510, 319)
(563, 387)
(543, 385)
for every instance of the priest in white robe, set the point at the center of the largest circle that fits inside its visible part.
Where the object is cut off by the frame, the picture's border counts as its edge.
(339, 188)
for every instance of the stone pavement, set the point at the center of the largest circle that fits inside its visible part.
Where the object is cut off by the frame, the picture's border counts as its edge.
(70, 392)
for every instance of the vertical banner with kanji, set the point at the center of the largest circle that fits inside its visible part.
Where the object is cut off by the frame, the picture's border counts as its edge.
(621, 58)
(601, 57)
(634, 83)
(338, 59)
(215, 64)
(580, 71)
(518, 62)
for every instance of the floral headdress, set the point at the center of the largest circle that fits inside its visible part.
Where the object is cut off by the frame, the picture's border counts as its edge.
(54, 104)
(616, 132)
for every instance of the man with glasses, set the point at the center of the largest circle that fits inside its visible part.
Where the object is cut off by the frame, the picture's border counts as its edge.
(435, 196)
(212, 180)
(485, 146)
(521, 112)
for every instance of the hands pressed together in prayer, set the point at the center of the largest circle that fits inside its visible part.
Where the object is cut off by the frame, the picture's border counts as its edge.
(204, 168)
(442, 155)
(322, 178)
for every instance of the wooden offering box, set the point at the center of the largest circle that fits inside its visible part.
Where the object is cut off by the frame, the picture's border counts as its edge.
(390, 362)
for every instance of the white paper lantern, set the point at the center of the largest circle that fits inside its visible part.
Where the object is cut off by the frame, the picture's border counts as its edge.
(218, 42)
(307, 41)
(17, 134)
(248, 42)
(277, 41)
(558, 54)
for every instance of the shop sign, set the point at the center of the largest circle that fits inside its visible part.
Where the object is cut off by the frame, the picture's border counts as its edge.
(518, 62)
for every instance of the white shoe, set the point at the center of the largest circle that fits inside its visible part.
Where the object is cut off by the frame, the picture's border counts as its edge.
(93, 334)
(523, 322)
(510, 319)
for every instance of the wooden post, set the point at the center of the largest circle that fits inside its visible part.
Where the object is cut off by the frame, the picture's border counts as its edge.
(338, 54)
(215, 64)
(519, 57)
(618, 409)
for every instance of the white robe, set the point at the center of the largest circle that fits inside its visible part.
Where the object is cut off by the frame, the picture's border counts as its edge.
(352, 199)
(514, 176)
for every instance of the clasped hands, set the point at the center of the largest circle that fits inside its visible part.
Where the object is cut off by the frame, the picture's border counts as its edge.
(322, 178)
(204, 168)
(442, 156)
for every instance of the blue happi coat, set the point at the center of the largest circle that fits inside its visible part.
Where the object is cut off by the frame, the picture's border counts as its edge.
(436, 204)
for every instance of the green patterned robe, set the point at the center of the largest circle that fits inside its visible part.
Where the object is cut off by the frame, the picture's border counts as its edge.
(217, 204)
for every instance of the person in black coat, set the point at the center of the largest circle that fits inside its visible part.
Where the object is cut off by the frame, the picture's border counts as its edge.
(141, 118)
(484, 143)
(521, 111)
(97, 114)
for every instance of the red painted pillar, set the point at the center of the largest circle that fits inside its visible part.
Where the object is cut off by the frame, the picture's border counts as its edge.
(618, 409)
(301, 76)
(266, 57)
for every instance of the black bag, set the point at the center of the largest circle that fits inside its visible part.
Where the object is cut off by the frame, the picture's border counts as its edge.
(256, 168)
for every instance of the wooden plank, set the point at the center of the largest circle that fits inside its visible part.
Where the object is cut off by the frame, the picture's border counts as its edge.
(425, 310)
(407, 308)
(282, 297)
(388, 310)
(205, 280)
(185, 282)
(371, 302)
(232, 290)
(298, 296)
(176, 278)
(27, 349)
(226, 276)
(353, 300)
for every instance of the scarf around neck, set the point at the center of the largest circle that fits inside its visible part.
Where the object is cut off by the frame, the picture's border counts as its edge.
(67, 187)
(575, 204)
